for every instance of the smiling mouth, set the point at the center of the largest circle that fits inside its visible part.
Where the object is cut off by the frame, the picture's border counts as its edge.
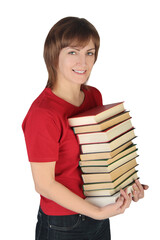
(79, 71)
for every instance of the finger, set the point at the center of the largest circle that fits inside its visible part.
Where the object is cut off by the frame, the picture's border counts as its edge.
(137, 190)
(139, 185)
(140, 189)
(127, 200)
(145, 187)
(124, 193)
(128, 197)
(119, 202)
(135, 197)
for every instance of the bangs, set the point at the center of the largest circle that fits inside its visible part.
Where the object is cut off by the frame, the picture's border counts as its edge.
(79, 34)
(76, 40)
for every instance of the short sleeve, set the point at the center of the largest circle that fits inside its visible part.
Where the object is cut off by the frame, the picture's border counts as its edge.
(41, 136)
(97, 96)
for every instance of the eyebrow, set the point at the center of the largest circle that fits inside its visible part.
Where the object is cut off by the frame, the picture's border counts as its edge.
(79, 49)
(91, 49)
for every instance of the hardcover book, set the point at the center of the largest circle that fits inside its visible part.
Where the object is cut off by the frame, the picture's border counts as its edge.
(96, 115)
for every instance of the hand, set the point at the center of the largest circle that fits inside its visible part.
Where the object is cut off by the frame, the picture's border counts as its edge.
(118, 207)
(123, 201)
(138, 190)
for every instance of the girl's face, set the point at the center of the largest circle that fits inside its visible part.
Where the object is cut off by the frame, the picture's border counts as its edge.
(75, 63)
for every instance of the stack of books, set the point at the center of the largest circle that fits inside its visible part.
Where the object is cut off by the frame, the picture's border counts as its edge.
(108, 155)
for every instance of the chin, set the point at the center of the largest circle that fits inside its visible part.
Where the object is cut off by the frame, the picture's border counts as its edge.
(80, 81)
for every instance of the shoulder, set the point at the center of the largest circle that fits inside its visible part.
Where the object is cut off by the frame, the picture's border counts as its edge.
(40, 114)
(41, 120)
(94, 93)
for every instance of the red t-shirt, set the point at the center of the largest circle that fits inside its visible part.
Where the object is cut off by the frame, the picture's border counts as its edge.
(49, 138)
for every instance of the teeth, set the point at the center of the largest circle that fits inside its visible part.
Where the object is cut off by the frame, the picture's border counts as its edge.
(78, 71)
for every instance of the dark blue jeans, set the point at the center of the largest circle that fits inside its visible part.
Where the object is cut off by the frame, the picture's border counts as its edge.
(77, 227)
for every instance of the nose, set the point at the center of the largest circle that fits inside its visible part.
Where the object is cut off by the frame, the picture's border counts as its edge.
(81, 60)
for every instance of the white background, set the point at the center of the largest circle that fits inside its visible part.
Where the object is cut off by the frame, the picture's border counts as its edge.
(128, 69)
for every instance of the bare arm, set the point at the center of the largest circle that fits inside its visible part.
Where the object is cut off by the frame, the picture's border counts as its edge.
(47, 186)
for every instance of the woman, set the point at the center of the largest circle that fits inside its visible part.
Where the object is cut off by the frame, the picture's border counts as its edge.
(70, 51)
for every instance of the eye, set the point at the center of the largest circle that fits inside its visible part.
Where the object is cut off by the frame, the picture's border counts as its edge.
(72, 53)
(90, 53)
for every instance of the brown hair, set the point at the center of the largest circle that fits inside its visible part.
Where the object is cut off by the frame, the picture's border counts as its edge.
(66, 31)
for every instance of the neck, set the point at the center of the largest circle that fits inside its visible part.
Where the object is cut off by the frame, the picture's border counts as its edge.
(69, 92)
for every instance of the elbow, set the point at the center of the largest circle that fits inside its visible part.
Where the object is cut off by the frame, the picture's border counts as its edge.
(37, 188)
(44, 189)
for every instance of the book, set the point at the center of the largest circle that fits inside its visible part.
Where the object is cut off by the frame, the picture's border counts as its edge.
(109, 176)
(105, 155)
(108, 156)
(108, 146)
(106, 135)
(111, 191)
(108, 167)
(103, 201)
(113, 184)
(96, 115)
(103, 125)
(107, 161)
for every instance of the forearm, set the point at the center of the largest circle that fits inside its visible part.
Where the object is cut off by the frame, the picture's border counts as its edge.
(47, 186)
(58, 193)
